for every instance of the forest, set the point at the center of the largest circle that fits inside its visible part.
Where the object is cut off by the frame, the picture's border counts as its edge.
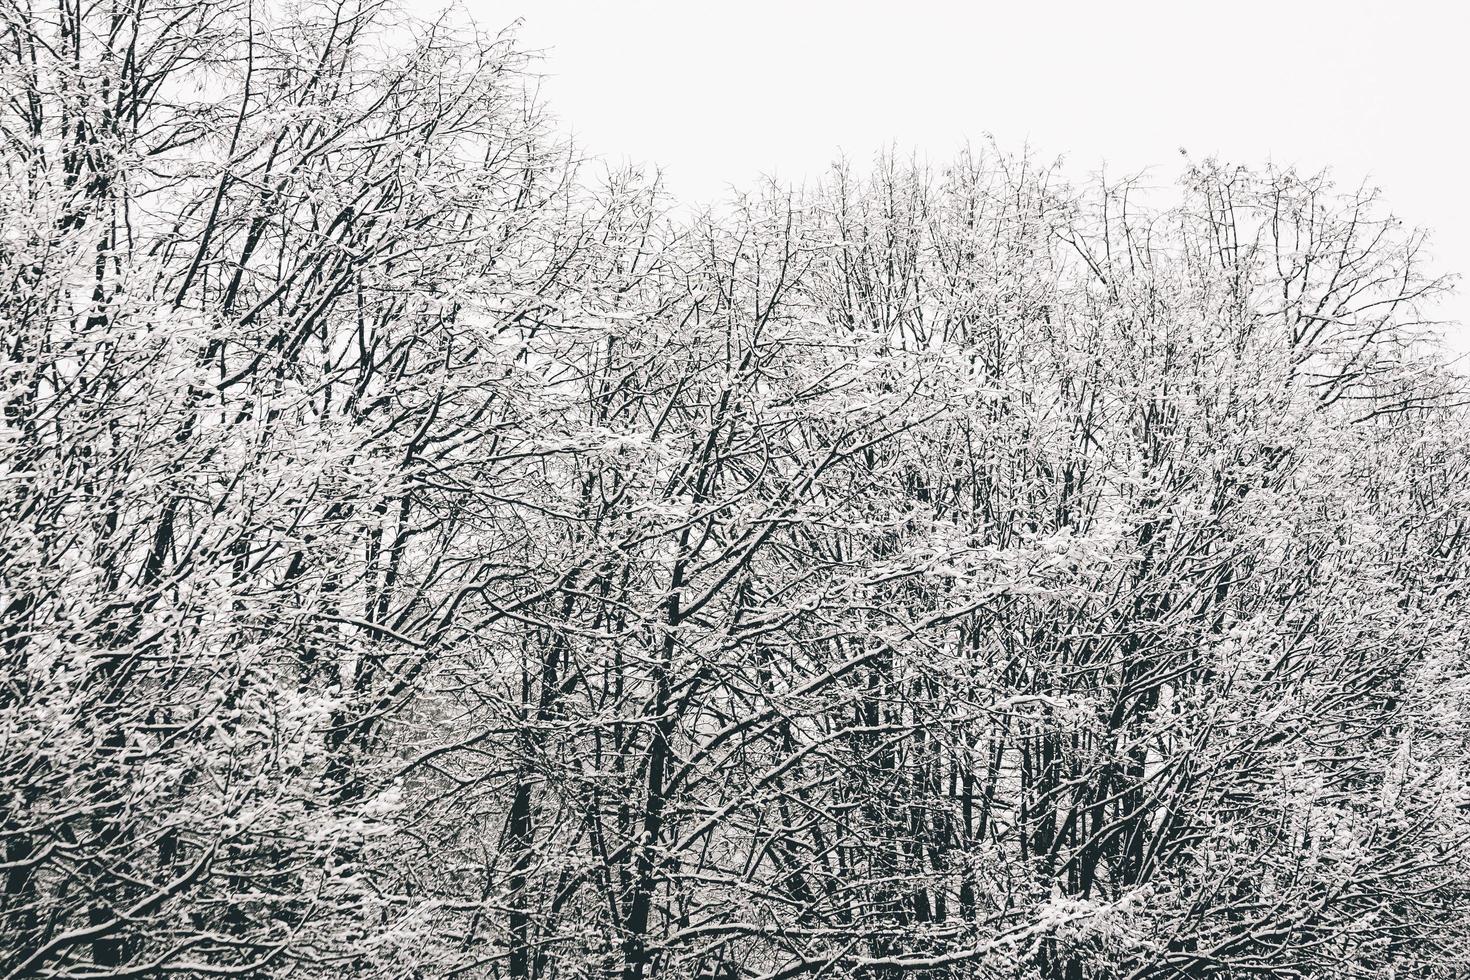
(427, 553)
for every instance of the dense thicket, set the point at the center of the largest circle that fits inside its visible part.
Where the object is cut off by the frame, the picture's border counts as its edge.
(422, 558)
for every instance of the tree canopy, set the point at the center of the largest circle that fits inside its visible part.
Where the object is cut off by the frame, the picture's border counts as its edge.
(426, 554)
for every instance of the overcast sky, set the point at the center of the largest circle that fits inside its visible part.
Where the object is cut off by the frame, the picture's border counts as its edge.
(718, 93)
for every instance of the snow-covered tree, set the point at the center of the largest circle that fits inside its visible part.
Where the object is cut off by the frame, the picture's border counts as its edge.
(423, 555)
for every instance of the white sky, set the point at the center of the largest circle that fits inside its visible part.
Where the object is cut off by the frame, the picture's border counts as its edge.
(718, 93)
